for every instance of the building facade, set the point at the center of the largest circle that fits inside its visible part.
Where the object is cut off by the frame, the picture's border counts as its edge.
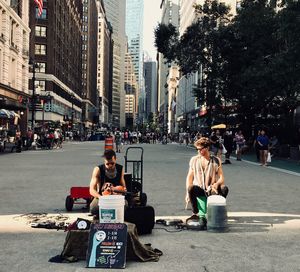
(55, 51)
(90, 103)
(134, 32)
(131, 90)
(170, 14)
(150, 76)
(115, 13)
(14, 62)
(104, 65)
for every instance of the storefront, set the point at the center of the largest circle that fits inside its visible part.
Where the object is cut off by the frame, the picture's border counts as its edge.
(13, 109)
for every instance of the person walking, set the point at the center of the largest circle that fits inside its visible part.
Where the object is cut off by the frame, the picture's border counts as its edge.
(240, 144)
(263, 142)
(256, 147)
(228, 144)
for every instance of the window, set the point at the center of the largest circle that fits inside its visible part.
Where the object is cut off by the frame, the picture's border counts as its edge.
(40, 49)
(40, 31)
(43, 15)
(41, 67)
(40, 85)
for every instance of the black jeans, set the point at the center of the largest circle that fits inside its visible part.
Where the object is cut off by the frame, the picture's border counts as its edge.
(196, 191)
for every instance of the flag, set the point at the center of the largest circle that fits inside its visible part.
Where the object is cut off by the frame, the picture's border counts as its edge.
(39, 3)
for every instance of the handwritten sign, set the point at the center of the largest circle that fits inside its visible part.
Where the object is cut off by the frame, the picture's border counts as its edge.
(107, 246)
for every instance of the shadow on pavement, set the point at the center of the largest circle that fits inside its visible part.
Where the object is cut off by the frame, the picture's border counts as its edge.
(242, 224)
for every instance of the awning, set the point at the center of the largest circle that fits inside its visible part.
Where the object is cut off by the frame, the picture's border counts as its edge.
(3, 113)
(220, 126)
(8, 114)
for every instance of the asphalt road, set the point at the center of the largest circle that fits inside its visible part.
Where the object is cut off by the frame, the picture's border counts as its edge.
(263, 207)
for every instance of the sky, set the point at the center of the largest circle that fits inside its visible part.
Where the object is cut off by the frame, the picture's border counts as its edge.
(152, 16)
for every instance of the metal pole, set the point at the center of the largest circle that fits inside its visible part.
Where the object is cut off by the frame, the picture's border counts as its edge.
(33, 97)
(43, 115)
(72, 116)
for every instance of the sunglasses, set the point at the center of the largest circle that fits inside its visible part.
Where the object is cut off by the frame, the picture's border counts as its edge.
(110, 163)
(199, 149)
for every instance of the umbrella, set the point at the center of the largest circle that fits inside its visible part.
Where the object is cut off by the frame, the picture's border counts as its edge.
(218, 126)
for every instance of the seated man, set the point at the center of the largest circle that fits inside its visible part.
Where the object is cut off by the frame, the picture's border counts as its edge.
(204, 178)
(105, 179)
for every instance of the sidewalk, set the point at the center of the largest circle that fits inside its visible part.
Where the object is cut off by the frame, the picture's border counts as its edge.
(285, 164)
(277, 162)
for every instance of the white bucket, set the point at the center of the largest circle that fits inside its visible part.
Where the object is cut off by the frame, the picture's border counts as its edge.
(111, 209)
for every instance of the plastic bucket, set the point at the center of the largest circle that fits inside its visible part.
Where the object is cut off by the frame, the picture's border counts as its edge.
(216, 214)
(111, 209)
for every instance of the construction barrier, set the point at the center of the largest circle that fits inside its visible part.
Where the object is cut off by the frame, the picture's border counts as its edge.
(109, 143)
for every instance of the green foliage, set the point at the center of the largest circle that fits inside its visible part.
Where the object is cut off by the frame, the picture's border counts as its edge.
(251, 62)
(166, 38)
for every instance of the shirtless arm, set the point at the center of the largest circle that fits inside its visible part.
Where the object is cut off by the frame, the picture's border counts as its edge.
(94, 182)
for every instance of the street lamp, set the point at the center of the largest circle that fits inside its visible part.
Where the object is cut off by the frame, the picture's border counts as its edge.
(72, 113)
(34, 65)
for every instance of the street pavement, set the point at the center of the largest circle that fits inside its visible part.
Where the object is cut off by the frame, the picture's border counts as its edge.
(263, 208)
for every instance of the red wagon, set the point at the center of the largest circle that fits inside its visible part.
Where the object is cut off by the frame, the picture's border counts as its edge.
(78, 195)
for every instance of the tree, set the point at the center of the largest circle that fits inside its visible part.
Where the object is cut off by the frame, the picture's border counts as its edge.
(166, 41)
(249, 45)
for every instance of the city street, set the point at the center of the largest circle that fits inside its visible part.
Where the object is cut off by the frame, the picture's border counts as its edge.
(263, 208)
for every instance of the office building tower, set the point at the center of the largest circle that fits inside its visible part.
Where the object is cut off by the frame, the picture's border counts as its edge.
(150, 76)
(55, 50)
(104, 65)
(90, 103)
(115, 13)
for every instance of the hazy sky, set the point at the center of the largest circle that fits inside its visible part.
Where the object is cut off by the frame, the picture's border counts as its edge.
(152, 16)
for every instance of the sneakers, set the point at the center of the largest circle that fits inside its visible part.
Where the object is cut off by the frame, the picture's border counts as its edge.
(196, 223)
(194, 217)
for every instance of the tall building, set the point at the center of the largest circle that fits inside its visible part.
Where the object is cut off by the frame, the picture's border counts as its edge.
(115, 12)
(150, 76)
(104, 64)
(134, 32)
(131, 86)
(55, 48)
(170, 14)
(14, 58)
(90, 103)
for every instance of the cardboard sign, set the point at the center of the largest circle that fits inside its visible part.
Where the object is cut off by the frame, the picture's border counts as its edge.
(107, 245)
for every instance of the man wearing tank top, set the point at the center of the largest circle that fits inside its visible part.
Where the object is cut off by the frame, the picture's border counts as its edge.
(104, 178)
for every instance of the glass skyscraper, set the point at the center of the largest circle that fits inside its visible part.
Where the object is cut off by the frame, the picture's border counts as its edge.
(134, 32)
